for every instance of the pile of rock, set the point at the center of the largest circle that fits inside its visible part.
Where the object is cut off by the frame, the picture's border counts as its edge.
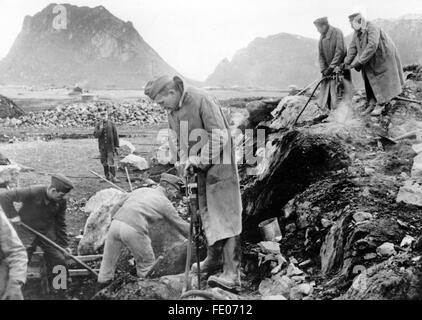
(287, 281)
(142, 112)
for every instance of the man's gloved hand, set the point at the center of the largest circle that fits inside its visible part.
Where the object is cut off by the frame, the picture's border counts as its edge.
(180, 168)
(192, 165)
(357, 66)
(328, 72)
(13, 291)
(340, 68)
(68, 250)
(16, 220)
(116, 151)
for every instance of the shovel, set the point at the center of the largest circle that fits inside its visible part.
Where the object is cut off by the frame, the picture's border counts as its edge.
(55, 245)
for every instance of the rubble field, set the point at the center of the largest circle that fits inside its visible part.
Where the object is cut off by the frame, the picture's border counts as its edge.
(347, 202)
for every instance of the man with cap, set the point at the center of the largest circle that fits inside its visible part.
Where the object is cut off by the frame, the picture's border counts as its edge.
(140, 218)
(43, 208)
(108, 142)
(13, 261)
(195, 115)
(332, 51)
(374, 53)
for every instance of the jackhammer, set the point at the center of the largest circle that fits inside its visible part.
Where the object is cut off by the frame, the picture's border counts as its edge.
(195, 229)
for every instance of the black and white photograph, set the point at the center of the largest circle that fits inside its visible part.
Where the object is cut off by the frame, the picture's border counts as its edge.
(242, 152)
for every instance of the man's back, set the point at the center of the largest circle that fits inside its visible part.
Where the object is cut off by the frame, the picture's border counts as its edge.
(148, 210)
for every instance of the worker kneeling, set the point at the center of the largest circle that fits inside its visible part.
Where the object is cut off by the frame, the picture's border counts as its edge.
(133, 220)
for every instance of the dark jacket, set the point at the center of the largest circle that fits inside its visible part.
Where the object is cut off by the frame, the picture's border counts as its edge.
(37, 211)
(108, 139)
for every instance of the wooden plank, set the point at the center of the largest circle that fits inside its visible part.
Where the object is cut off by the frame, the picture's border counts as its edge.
(80, 272)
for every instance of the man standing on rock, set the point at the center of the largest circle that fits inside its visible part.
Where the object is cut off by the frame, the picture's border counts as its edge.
(13, 262)
(374, 53)
(108, 142)
(135, 220)
(193, 114)
(43, 209)
(332, 51)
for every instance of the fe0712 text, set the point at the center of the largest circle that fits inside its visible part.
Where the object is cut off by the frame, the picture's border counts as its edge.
(231, 309)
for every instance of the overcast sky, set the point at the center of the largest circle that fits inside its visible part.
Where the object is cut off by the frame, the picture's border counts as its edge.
(195, 35)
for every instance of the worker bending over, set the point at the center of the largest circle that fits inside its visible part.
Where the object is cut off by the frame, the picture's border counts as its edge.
(133, 225)
(43, 209)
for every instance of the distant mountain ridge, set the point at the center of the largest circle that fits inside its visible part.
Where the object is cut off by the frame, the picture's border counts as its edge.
(96, 49)
(275, 61)
(284, 59)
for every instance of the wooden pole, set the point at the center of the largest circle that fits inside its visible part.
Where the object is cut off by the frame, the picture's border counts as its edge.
(109, 182)
(408, 100)
(55, 245)
(128, 179)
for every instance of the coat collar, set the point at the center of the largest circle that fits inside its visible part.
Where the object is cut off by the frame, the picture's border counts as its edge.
(328, 34)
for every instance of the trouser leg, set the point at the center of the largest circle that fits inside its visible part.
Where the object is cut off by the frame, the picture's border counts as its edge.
(231, 253)
(230, 278)
(213, 261)
(112, 166)
(139, 244)
(56, 264)
(112, 250)
(106, 172)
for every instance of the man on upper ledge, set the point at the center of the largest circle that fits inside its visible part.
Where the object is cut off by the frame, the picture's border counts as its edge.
(194, 115)
(374, 53)
(332, 51)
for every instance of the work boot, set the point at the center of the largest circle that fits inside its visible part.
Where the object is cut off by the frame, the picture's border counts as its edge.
(113, 175)
(101, 285)
(212, 262)
(370, 108)
(106, 172)
(377, 111)
(229, 280)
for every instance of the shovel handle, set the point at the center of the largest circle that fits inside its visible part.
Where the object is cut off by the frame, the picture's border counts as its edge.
(55, 245)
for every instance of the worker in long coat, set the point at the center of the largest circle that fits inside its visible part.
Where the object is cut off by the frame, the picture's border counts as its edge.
(193, 114)
(375, 54)
(331, 52)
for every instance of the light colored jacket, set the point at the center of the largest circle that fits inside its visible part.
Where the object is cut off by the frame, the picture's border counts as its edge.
(332, 51)
(13, 256)
(219, 198)
(374, 49)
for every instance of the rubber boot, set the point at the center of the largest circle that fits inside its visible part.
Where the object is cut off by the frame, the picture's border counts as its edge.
(213, 262)
(371, 106)
(229, 280)
(113, 175)
(106, 172)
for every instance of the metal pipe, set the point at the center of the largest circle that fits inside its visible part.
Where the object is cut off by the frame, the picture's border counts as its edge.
(309, 100)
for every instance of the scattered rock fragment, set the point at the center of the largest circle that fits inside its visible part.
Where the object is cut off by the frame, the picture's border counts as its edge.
(362, 216)
(386, 249)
